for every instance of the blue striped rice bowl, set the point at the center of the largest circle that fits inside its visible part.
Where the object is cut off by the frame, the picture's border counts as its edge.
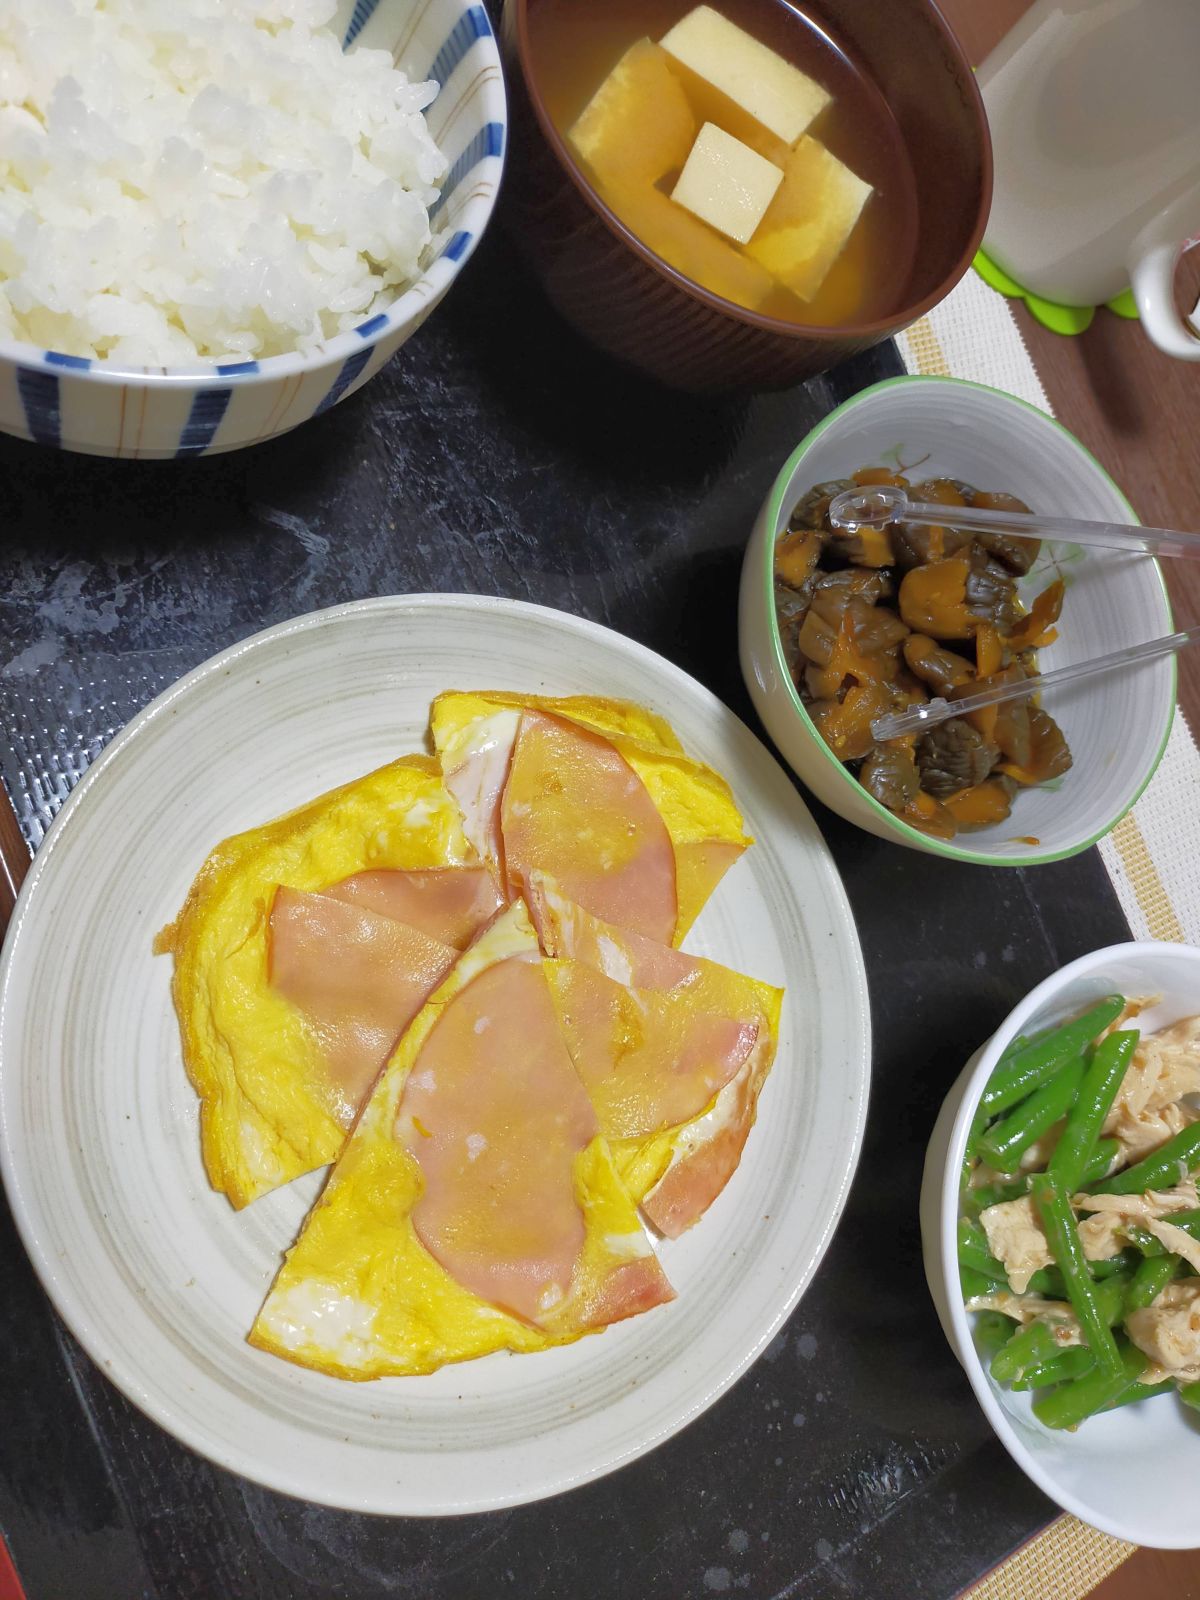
(102, 408)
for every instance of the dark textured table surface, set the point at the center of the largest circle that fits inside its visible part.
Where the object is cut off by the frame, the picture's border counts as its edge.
(497, 454)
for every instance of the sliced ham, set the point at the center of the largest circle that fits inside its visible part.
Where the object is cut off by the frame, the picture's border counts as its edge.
(662, 1040)
(449, 904)
(359, 977)
(709, 1150)
(495, 1116)
(649, 1059)
(574, 808)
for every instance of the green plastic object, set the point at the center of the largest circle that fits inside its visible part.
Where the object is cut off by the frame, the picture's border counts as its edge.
(1059, 319)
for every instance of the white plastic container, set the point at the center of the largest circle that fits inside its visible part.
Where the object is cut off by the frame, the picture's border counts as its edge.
(1094, 113)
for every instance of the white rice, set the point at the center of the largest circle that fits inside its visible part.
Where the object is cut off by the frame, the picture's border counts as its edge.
(212, 179)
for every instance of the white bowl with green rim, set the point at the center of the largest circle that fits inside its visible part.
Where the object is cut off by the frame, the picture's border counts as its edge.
(1116, 725)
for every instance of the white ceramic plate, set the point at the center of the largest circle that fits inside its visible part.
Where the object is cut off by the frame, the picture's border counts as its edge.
(160, 1279)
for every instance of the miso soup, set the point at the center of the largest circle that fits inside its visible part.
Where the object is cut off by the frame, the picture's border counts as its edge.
(619, 107)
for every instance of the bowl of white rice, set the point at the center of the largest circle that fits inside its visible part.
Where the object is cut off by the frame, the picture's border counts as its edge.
(218, 218)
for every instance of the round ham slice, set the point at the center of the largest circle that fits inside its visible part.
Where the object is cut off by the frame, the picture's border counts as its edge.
(495, 1116)
(575, 809)
(450, 904)
(359, 977)
(651, 1059)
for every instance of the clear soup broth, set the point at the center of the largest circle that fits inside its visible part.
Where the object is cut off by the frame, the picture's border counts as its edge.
(577, 43)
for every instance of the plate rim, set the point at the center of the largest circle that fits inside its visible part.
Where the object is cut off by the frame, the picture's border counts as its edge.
(67, 1302)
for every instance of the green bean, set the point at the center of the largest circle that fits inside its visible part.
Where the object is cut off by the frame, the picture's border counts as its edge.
(1149, 1281)
(1160, 1170)
(1058, 1222)
(1189, 1393)
(1150, 1245)
(973, 1251)
(1048, 1282)
(1097, 1167)
(975, 1285)
(1125, 1262)
(1111, 1296)
(1140, 1391)
(1018, 1075)
(992, 1331)
(1030, 1346)
(1101, 1081)
(1072, 1403)
(1003, 1145)
(1070, 1363)
(983, 1115)
(994, 1194)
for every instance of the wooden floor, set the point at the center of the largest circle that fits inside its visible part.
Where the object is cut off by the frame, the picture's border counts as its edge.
(1139, 413)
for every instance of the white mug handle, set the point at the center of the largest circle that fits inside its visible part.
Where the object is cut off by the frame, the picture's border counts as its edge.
(1153, 257)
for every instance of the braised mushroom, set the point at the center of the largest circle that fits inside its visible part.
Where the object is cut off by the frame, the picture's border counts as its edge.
(990, 592)
(1049, 757)
(889, 775)
(796, 557)
(873, 621)
(953, 756)
(933, 599)
(813, 510)
(940, 668)
(1017, 554)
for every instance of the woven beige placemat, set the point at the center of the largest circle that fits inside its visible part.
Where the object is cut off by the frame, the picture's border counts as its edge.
(1153, 854)
(1152, 857)
(1065, 1562)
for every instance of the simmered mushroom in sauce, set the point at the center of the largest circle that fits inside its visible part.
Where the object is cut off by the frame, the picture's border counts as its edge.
(873, 621)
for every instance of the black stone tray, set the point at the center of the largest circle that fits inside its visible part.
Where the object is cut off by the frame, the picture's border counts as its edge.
(498, 454)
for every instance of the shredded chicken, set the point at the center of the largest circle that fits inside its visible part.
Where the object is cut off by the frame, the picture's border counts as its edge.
(1142, 1207)
(1139, 1135)
(1169, 1330)
(1133, 1008)
(1026, 1308)
(1177, 1241)
(1015, 1238)
(1148, 1108)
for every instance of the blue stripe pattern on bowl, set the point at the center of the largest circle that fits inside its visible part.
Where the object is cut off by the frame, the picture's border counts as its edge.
(474, 25)
(208, 408)
(39, 396)
(363, 11)
(41, 400)
(489, 141)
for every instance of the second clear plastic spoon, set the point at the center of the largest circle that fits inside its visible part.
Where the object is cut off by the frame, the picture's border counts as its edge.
(916, 719)
(880, 504)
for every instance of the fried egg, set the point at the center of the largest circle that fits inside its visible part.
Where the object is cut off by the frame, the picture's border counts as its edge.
(476, 1206)
(270, 1106)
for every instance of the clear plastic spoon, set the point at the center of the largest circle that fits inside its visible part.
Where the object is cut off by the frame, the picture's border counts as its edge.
(916, 719)
(878, 505)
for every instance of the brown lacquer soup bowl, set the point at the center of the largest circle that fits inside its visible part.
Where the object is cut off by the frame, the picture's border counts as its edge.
(629, 301)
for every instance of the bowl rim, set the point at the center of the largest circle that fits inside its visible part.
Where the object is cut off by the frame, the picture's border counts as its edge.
(964, 1344)
(771, 511)
(422, 294)
(833, 334)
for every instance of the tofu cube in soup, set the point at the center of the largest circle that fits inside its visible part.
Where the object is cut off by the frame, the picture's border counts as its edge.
(726, 184)
(810, 218)
(770, 89)
(638, 125)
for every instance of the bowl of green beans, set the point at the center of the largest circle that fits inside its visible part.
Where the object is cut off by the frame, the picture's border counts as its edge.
(1051, 1286)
